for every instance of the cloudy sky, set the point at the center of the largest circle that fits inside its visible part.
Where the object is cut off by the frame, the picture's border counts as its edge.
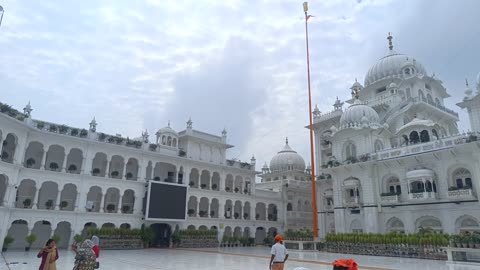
(238, 64)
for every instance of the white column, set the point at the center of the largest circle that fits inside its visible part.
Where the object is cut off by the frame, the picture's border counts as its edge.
(86, 167)
(252, 212)
(54, 227)
(141, 172)
(137, 205)
(35, 199)
(57, 203)
(119, 204)
(64, 164)
(77, 202)
(124, 171)
(44, 160)
(7, 194)
(222, 183)
(70, 240)
(208, 208)
(107, 172)
(102, 202)
(266, 212)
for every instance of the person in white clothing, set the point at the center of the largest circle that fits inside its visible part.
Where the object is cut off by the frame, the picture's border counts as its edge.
(279, 254)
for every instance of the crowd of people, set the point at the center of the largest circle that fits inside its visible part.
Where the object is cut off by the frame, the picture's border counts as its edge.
(86, 256)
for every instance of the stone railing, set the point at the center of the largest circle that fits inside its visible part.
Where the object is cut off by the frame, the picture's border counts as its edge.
(389, 199)
(422, 195)
(327, 116)
(461, 194)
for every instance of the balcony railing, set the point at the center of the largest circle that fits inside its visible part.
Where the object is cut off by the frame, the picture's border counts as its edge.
(422, 196)
(390, 199)
(461, 194)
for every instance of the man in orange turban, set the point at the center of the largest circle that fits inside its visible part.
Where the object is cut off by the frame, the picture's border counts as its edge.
(279, 254)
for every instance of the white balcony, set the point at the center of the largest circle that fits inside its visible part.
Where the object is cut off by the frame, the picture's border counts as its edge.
(389, 199)
(461, 194)
(422, 196)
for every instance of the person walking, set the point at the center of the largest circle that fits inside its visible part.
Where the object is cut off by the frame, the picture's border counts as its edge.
(49, 255)
(85, 256)
(96, 250)
(279, 254)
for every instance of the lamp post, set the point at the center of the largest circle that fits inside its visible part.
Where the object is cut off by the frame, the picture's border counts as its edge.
(312, 159)
(1, 15)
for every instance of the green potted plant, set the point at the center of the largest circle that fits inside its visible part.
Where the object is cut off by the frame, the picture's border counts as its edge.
(27, 202)
(52, 128)
(40, 125)
(63, 205)
(7, 241)
(74, 132)
(110, 207)
(30, 240)
(56, 238)
(83, 133)
(78, 238)
(214, 187)
(49, 204)
(147, 236)
(125, 209)
(63, 129)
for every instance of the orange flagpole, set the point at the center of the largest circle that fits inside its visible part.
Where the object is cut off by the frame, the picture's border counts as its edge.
(312, 159)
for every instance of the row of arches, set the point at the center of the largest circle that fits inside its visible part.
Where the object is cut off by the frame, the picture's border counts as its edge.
(260, 232)
(50, 196)
(460, 178)
(229, 209)
(301, 206)
(44, 230)
(205, 180)
(465, 223)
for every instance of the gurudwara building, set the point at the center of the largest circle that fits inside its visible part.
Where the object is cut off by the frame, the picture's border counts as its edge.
(394, 158)
(56, 179)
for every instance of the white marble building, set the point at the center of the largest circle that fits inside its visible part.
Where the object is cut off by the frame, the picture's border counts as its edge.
(288, 175)
(56, 179)
(394, 159)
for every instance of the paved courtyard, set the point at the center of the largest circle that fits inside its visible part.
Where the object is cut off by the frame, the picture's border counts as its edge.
(224, 259)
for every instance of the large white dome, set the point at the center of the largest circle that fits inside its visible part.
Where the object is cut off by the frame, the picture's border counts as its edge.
(391, 66)
(287, 159)
(359, 115)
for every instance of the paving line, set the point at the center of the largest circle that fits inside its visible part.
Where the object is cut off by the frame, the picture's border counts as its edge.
(290, 259)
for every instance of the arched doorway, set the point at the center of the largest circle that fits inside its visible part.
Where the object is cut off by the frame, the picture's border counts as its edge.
(260, 235)
(162, 234)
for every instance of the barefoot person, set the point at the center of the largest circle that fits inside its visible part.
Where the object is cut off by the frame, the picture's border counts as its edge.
(49, 255)
(279, 254)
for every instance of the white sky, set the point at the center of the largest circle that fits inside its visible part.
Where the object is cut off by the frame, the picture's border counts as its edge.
(238, 64)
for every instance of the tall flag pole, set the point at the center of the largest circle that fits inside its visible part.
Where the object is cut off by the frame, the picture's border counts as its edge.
(312, 159)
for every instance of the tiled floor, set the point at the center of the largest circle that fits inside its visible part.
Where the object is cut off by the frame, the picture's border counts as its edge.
(222, 259)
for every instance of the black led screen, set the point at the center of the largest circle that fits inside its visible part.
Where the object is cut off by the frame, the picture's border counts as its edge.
(166, 201)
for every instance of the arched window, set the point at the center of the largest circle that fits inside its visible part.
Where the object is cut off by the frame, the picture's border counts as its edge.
(378, 145)
(414, 138)
(435, 133)
(289, 207)
(404, 140)
(430, 99)
(462, 178)
(393, 185)
(424, 136)
(421, 95)
(350, 151)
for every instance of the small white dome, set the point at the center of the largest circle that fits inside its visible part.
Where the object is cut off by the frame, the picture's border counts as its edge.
(287, 159)
(359, 115)
(167, 130)
(391, 66)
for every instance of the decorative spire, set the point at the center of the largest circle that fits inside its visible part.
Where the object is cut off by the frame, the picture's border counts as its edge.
(168, 123)
(466, 84)
(224, 132)
(145, 136)
(93, 125)
(316, 111)
(338, 104)
(390, 43)
(286, 140)
(189, 123)
(27, 110)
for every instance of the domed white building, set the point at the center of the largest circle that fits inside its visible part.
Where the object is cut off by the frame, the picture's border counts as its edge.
(394, 160)
(57, 179)
(288, 175)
